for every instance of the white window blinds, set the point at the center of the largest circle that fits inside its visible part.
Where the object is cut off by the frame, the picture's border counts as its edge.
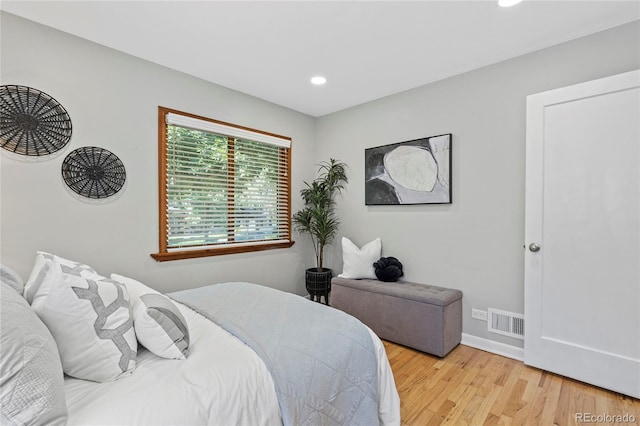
(225, 185)
(225, 129)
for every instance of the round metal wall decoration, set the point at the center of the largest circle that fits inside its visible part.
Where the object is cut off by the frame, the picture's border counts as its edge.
(93, 172)
(32, 122)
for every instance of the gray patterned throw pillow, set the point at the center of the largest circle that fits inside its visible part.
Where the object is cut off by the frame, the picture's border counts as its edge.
(89, 317)
(159, 324)
(160, 327)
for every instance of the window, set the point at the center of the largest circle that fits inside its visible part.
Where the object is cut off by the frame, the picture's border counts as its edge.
(223, 188)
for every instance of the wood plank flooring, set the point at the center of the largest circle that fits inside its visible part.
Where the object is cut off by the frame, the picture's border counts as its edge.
(473, 387)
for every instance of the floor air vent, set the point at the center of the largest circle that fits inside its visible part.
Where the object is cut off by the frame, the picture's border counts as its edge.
(506, 323)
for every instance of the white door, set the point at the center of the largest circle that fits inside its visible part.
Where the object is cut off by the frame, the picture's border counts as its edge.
(582, 239)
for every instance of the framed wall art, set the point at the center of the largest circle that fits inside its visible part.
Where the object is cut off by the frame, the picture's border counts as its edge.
(412, 172)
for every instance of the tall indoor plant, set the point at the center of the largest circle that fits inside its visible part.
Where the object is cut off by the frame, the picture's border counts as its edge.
(319, 220)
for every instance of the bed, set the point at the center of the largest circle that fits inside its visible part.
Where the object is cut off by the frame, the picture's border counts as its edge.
(222, 379)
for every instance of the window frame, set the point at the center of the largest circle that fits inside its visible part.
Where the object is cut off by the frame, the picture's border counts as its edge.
(165, 253)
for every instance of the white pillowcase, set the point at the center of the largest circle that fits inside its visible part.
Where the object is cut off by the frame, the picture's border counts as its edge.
(88, 315)
(358, 262)
(41, 269)
(159, 325)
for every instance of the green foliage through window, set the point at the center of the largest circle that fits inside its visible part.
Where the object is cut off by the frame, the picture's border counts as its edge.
(222, 190)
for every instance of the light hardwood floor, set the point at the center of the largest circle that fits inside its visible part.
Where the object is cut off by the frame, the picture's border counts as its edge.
(473, 387)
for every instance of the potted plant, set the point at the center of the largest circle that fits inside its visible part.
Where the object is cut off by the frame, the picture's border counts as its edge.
(319, 220)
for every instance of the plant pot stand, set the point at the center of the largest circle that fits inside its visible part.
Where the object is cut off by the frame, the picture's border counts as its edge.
(318, 283)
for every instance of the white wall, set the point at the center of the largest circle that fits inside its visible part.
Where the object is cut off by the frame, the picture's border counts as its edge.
(112, 99)
(476, 243)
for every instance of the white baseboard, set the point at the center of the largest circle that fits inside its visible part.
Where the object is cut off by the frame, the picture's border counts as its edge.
(497, 348)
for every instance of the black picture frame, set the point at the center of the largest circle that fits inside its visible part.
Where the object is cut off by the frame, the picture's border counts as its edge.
(411, 172)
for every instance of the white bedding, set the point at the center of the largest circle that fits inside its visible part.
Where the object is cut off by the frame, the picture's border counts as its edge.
(222, 382)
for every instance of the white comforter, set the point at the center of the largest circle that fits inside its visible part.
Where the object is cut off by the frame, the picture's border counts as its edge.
(222, 382)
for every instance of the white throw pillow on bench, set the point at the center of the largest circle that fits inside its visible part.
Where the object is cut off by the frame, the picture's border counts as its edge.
(358, 262)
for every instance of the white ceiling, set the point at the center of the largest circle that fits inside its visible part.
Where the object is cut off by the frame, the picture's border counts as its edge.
(366, 49)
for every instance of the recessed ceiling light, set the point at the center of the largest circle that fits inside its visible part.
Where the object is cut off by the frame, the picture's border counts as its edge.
(508, 3)
(318, 80)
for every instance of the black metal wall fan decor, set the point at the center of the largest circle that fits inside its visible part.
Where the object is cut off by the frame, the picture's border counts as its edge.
(93, 172)
(32, 122)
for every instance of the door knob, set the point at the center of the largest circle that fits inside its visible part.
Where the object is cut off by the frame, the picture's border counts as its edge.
(534, 247)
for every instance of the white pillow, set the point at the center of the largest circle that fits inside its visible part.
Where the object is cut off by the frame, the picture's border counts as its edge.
(358, 262)
(89, 317)
(31, 378)
(41, 269)
(159, 325)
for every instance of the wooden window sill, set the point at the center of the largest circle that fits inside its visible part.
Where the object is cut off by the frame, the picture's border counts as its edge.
(217, 251)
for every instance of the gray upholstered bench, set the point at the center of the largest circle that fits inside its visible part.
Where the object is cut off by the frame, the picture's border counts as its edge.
(423, 317)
